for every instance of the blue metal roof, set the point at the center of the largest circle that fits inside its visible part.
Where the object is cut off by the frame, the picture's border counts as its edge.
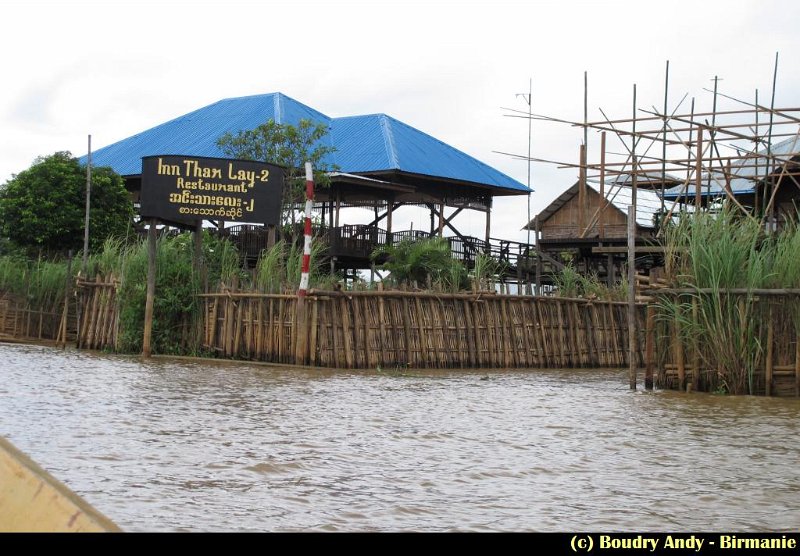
(371, 143)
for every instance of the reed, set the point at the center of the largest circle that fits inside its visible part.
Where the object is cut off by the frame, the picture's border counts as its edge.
(571, 283)
(278, 269)
(39, 282)
(485, 271)
(176, 306)
(711, 253)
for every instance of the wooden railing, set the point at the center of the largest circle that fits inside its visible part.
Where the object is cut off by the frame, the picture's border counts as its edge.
(357, 241)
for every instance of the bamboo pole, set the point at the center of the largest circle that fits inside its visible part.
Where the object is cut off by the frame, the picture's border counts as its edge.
(270, 333)
(770, 352)
(469, 333)
(280, 330)
(650, 341)
(476, 330)
(151, 288)
(313, 355)
(561, 338)
(93, 316)
(545, 357)
(260, 331)
(592, 359)
(695, 349)
(67, 294)
(212, 330)
(678, 343)
(382, 311)
(348, 344)
(632, 296)
(698, 169)
(797, 364)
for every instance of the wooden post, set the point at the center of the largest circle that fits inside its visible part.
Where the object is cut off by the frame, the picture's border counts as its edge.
(538, 290)
(67, 294)
(582, 191)
(488, 223)
(698, 170)
(679, 351)
(441, 218)
(389, 210)
(603, 203)
(695, 350)
(88, 206)
(770, 351)
(797, 364)
(631, 297)
(650, 346)
(151, 288)
(301, 347)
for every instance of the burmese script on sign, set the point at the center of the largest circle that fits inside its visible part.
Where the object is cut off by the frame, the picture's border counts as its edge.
(190, 188)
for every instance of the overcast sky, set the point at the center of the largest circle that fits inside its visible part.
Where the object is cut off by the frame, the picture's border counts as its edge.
(113, 69)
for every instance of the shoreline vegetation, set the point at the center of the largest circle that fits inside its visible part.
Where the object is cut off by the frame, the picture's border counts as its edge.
(723, 263)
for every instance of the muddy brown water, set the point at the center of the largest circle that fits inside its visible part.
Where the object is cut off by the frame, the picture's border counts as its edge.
(172, 445)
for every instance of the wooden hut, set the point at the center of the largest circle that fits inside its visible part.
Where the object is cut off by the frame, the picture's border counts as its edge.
(590, 229)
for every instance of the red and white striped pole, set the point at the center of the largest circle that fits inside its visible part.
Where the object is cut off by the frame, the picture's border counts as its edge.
(307, 243)
(301, 347)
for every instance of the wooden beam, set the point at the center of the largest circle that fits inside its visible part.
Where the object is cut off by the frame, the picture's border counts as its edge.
(638, 249)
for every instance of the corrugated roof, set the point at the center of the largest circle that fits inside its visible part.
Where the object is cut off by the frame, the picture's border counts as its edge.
(745, 172)
(371, 143)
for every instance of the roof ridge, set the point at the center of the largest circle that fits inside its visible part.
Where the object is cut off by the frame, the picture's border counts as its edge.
(277, 108)
(388, 139)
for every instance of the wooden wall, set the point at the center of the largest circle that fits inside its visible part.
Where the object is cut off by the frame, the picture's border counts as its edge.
(563, 224)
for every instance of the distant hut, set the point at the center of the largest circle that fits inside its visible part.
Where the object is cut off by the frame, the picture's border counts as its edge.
(592, 232)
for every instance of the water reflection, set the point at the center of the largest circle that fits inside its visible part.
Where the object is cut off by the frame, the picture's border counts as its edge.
(176, 445)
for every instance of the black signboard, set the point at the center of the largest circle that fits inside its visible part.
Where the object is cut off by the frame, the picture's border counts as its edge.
(188, 188)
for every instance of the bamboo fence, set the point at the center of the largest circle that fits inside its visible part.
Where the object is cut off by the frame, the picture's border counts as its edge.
(687, 358)
(20, 321)
(395, 329)
(99, 315)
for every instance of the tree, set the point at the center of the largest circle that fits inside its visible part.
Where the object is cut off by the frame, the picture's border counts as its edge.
(43, 207)
(288, 146)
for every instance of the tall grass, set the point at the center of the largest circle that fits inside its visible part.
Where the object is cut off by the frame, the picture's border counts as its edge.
(715, 252)
(39, 282)
(175, 306)
(485, 271)
(279, 269)
(571, 283)
(42, 282)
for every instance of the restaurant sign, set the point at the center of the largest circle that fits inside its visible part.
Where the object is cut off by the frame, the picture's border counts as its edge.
(189, 188)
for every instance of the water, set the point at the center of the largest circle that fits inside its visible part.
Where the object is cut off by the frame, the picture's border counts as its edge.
(175, 445)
